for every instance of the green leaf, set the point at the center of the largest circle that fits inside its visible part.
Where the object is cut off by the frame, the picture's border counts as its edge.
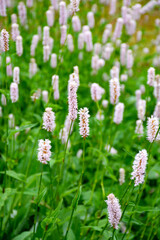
(55, 106)
(76, 198)
(66, 193)
(110, 175)
(153, 174)
(32, 178)
(23, 236)
(107, 234)
(141, 209)
(17, 176)
(38, 117)
(5, 92)
(71, 235)
(42, 194)
(51, 219)
(30, 192)
(95, 228)
(81, 211)
(4, 196)
(21, 128)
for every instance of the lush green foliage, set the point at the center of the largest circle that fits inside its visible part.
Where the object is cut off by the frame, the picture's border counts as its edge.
(56, 206)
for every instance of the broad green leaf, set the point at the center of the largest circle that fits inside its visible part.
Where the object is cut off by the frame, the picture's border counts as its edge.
(4, 196)
(141, 209)
(71, 235)
(33, 177)
(51, 219)
(21, 128)
(13, 174)
(80, 211)
(30, 192)
(23, 236)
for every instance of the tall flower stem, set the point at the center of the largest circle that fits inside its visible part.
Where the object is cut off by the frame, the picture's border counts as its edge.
(154, 202)
(100, 112)
(70, 220)
(105, 226)
(77, 194)
(29, 164)
(51, 183)
(35, 219)
(149, 155)
(113, 233)
(30, 159)
(129, 185)
(6, 142)
(59, 58)
(126, 205)
(136, 202)
(155, 228)
(65, 151)
(60, 178)
(110, 131)
(122, 212)
(98, 162)
(109, 141)
(83, 164)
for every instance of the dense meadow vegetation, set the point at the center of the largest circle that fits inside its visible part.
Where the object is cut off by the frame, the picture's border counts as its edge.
(79, 119)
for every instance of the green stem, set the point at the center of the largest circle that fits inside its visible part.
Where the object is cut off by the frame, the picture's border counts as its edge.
(155, 229)
(51, 182)
(105, 226)
(127, 204)
(128, 225)
(149, 235)
(63, 162)
(59, 59)
(6, 140)
(30, 159)
(83, 160)
(6, 146)
(35, 219)
(110, 131)
(70, 220)
(29, 164)
(144, 230)
(98, 162)
(113, 233)
(157, 194)
(44, 234)
(149, 155)
(129, 185)
(65, 151)
(80, 184)
(100, 112)
(97, 171)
